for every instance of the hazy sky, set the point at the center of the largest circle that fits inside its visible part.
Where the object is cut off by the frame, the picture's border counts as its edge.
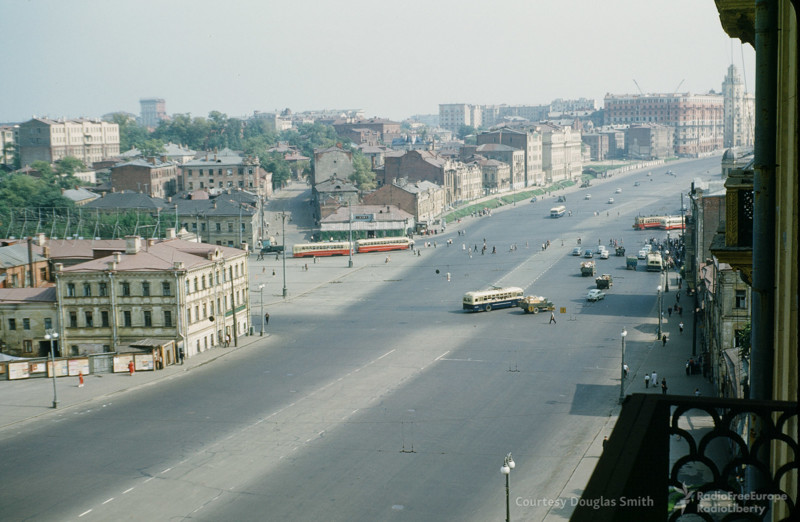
(393, 59)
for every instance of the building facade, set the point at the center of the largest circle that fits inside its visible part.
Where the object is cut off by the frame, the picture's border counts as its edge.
(530, 142)
(561, 153)
(26, 316)
(453, 116)
(422, 199)
(153, 112)
(649, 141)
(43, 139)
(193, 293)
(225, 170)
(332, 162)
(156, 178)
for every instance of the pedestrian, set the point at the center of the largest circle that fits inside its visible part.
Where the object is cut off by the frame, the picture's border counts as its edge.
(625, 370)
(605, 442)
(266, 318)
(647, 380)
(553, 318)
(688, 367)
(227, 340)
(680, 311)
(669, 311)
(664, 340)
(181, 355)
(131, 368)
(680, 326)
(80, 379)
(697, 392)
(663, 386)
(654, 379)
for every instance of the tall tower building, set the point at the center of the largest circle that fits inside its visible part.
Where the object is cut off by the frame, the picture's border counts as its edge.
(153, 111)
(739, 122)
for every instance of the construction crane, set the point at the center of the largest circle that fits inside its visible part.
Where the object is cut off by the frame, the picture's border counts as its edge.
(678, 87)
(637, 86)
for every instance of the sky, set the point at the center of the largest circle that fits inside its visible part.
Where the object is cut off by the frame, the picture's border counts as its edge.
(391, 59)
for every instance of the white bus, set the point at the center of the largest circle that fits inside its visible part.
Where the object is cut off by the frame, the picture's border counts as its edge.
(488, 300)
(557, 212)
(671, 223)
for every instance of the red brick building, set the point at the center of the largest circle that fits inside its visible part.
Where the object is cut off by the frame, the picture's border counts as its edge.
(152, 177)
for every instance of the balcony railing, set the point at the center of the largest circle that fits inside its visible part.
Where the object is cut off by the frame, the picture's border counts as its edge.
(682, 458)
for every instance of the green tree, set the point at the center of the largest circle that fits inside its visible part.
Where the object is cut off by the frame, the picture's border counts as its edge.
(465, 130)
(131, 134)
(363, 176)
(744, 341)
(151, 148)
(68, 166)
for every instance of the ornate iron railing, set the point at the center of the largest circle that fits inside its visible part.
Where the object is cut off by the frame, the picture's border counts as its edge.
(694, 458)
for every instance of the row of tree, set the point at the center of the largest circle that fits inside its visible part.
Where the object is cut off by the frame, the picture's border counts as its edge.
(43, 190)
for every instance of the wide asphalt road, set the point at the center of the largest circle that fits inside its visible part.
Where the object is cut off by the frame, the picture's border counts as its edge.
(375, 397)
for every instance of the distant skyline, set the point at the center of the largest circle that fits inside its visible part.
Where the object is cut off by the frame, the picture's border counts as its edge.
(91, 57)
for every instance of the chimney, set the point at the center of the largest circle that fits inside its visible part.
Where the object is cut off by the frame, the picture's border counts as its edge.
(171, 233)
(41, 239)
(133, 244)
(169, 199)
(117, 257)
(151, 242)
(59, 267)
(214, 204)
(153, 160)
(177, 265)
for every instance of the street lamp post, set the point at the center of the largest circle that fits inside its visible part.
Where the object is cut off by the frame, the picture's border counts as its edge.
(666, 267)
(508, 465)
(623, 334)
(350, 235)
(283, 233)
(261, 290)
(660, 313)
(52, 338)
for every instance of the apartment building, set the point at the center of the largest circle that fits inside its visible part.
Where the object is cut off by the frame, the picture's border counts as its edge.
(153, 112)
(151, 176)
(453, 116)
(739, 125)
(332, 162)
(422, 199)
(697, 119)
(8, 145)
(192, 293)
(225, 170)
(649, 141)
(26, 316)
(43, 139)
(529, 141)
(461, 182)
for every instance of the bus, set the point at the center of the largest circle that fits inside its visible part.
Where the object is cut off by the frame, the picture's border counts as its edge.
(654, 262)
(671, 223)
(331, 248)
(643, 222)
(557, 212)
(488, 300)
(382, 244)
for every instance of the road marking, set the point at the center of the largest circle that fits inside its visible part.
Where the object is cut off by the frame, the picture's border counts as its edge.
(148, 480)
(85, 513)
(107, 501)
(445, 353)
(166, 470)
(127, 490)
(384, 355)
(465, 360)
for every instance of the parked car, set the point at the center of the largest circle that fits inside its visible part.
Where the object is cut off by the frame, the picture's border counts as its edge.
(533, 199)
(576, 251)
(587, 196)
(588, 254)
(635, 183)
(610, 200)
(595, 295)
(604, 254)
(618, 191)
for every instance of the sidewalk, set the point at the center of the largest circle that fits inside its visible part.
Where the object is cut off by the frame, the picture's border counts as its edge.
(670, 363)
(23, 400)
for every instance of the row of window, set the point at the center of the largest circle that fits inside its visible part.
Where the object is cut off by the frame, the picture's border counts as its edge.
(218, 226)
(229, 172)
(127, 319)
(125, 289)
(26, 323)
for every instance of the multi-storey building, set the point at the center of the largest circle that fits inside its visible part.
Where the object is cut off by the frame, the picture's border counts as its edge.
(332, 162)
(224, 170)
(513, 157)
(529, 141)
(649, 141)
(43, 139)
(453, 116)
(154, 177)
(8, 145)
(154, 110)
(26, 315)
(739, 126)
(193, 293)
(461, 182)
(697, 119)
(422, 199)
(16, 262)
(597, 144)
(561, 152)
(368, 130)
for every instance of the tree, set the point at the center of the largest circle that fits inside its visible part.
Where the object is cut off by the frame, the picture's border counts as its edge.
(131, 134)
(151, 148)
(743, 336)
(465, 130)
(68, 166)
(363, 176)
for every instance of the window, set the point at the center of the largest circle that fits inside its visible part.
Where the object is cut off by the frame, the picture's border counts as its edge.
(27, 346)
(12, 324)
(218, 227)
(26, 323)
(167, 318)
(126, 318)
(148, 318)
(146, 289)
(737, 338)
(87, 290)
(102, 289)
(188, 288)
(189, 314)
(73, 319)
(203, 281)
(104, 318)
(741, 299)
(48, 323)
(211, 306)
(166, 288)
(89, 319)
(70, 290)
(126, 289)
